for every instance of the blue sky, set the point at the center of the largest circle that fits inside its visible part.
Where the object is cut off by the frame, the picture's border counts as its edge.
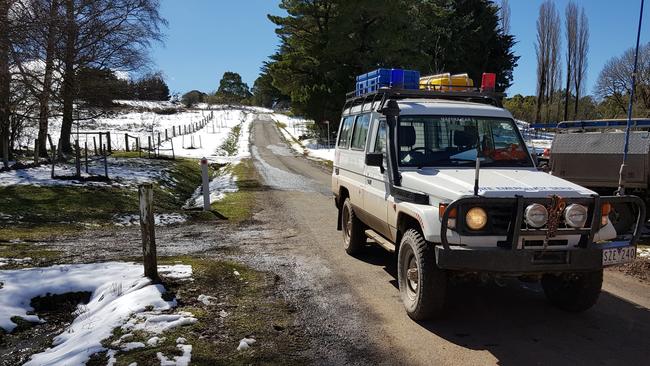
(205, 38)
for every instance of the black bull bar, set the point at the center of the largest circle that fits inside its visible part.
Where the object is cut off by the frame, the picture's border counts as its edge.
(586, 256)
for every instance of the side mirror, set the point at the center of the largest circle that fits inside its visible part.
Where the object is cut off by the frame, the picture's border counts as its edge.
(375, 159)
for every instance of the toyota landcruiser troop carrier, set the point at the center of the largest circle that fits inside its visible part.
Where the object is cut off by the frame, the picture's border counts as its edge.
(442, 177)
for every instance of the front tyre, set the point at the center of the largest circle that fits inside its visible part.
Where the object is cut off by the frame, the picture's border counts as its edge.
(422, 285)
(354, 236)
(574, 292)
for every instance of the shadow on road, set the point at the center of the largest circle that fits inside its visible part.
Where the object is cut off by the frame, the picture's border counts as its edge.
(515, 324)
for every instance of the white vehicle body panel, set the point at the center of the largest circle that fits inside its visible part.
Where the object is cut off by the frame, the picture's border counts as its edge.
(368, 187)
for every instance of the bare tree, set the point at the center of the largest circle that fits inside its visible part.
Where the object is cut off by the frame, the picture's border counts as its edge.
(104, 34)
(504, 16)
(615, 79)
(35, 55)
(547, 49)
(571, 24)
(5, 81)
(582, 49)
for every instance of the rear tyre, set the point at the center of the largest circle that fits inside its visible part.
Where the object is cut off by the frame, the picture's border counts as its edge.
(354, 237)
(574, 292)
(422, 285)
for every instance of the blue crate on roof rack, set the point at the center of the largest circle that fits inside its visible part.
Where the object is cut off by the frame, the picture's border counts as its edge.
(391, 78)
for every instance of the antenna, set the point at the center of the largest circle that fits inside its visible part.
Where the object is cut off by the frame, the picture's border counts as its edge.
(478, 168)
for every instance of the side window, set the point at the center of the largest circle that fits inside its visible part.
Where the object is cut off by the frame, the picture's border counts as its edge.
(380, 141)
(360, 132)
(344, 135)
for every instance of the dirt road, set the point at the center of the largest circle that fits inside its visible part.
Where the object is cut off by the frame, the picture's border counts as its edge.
(352, 306)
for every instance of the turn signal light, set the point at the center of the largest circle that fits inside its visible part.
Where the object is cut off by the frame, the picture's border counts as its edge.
(605, 209)
(451, 222)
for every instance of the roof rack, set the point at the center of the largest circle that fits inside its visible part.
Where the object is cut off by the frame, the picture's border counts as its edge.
(384, 94)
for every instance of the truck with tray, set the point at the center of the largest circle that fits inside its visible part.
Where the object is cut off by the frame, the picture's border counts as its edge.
(590, 153)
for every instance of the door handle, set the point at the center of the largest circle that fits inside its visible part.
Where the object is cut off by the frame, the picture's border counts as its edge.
(369, 181)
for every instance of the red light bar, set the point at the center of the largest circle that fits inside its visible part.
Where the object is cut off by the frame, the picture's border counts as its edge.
(488, 82)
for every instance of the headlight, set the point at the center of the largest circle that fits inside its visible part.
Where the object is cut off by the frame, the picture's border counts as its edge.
(536, 215)
(476, 218)
(575, 215)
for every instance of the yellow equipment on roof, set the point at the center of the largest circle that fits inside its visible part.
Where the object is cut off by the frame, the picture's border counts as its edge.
(447, 82)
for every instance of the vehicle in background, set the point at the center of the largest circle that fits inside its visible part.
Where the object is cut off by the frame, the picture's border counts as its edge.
(590, 153)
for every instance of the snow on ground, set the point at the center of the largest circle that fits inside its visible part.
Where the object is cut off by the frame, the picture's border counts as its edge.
(245, 343)
(162, 219)
(297, 127)
(207, 142)
(9, 261)
(643, 252)
(219, 187)
(119, 291)
(123, 172)
(147, 104)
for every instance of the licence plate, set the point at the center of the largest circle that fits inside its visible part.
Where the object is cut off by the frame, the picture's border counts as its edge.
(618, 255)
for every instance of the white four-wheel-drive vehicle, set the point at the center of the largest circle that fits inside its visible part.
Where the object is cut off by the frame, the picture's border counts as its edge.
(445, 180)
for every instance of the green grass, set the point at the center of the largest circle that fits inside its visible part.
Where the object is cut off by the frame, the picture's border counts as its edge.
(51, 211)
(238, 206)
(231, 144)
(253, 309)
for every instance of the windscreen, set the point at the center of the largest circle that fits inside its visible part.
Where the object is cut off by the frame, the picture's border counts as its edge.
(448, 141)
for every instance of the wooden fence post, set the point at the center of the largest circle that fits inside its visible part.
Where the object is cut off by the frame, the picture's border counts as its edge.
(137, 146)
(95, 145)
(86, 155)
(126, 142)
(105, 164)
(166, 137)
(77, 159)
(147, 228)
(173, 154)
(54, 151)
(158, 138)
(108, 142)
(149, 146)
(101, 144)
(36, 150)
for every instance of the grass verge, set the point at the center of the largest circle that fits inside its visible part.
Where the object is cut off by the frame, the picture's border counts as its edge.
(252, 309)
(238, 206)
(46, 212)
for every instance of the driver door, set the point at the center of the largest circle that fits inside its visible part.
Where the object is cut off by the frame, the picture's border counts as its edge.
(377, 184)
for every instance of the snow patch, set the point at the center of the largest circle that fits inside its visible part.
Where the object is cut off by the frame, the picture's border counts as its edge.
(643, 252)
(118, 291)
(182, 360)
(245, 343)
(156, 323)
(162, 219)
(218, 187)
(10, 261)
(206, 300)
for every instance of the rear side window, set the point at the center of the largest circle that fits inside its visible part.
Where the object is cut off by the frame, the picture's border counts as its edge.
(346, 131)
(360, 132)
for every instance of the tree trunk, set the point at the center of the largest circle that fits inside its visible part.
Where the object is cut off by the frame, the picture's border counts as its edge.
(575, 107)
(567, 92)
(68, 77)
(5, 82)
(44, 99)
